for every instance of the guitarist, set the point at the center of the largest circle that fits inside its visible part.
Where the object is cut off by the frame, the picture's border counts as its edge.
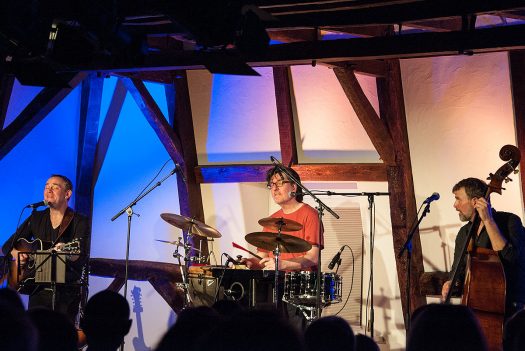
(56, 225)
(499, 231)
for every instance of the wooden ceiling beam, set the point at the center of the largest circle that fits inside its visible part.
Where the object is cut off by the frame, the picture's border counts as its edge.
(34, 113)
(399, 46)
(373, 172)
(373, 125)
(285, 115)
(294, 35)
(91, 99)
(6, 87)
(518, 14)
(517, 80)
(373, 68)
(155, 118)
(391, 13)
(441, 25)
(108, 127)
(362, 31)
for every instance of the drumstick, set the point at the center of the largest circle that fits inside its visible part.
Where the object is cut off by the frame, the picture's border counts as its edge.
(248, 251)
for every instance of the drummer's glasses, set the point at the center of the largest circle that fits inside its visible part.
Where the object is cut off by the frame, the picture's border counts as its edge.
(277, 184)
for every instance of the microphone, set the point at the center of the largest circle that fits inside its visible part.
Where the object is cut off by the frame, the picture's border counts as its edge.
(230, 259)
(37, 204)
(336, 258)
(433, 197)
(181, 173)
(292, 194)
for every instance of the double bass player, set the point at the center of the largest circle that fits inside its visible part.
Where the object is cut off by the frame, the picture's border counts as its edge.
(501, 232)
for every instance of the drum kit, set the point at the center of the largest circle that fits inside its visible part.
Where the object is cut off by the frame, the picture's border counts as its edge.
(300, 288)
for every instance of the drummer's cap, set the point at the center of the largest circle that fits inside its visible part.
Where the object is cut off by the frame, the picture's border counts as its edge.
(275, 170)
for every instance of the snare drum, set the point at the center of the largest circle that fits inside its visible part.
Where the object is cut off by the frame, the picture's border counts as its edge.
(300, 288)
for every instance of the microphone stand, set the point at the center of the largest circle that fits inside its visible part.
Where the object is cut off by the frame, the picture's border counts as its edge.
(408, 247)
(321, 206)
(129, 210)
(371, 196)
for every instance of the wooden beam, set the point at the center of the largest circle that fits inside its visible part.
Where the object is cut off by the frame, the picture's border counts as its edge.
(374, 126)
(293, 35)
(91, 99)
(6, 88)
(34, 113)
(108, 127)
(389, 13)
(190, 196)
(440, 25)
(401, 185)
(373, 68)
(361, 31)
(329, 51)
(517, 81)
(155, 118)
(169, 93)
(373, 172)
(285, 115)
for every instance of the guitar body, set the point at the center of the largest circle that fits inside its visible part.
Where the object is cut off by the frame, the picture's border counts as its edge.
(17, 272)
(21, 273)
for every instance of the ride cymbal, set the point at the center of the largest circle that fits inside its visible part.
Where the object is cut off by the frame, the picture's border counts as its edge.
(280, 223)
(269, 241)
(190, 225)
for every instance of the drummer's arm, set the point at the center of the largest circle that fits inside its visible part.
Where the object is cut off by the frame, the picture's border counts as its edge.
(253, 262)
(303, 262)
(294, 264)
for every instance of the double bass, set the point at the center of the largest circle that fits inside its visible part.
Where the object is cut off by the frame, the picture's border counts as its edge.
(484, 288)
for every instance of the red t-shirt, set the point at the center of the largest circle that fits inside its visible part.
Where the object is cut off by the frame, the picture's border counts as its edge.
(308, 217)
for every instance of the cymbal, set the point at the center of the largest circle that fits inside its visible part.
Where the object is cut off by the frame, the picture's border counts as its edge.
(190, 225)
(177, 243)
(276, 223)
(269, 241)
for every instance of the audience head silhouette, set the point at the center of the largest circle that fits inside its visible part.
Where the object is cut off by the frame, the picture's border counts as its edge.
(365, 343)
(192, 325)
(254, 330)
(55, 330)
(17, 331)
(445, 327)
(514, 333)
(106, 320)
(329, 333)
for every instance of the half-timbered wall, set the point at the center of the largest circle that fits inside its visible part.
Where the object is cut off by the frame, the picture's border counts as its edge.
(459, 113)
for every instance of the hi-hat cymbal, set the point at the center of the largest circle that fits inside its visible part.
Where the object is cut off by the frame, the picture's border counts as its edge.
(176, 243)
(280, 223)
(190, 225)
(269, 241)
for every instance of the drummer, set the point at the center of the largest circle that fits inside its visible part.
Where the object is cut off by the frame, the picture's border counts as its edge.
(292, 208)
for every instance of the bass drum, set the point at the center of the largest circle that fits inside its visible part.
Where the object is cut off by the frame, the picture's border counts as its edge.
(300, 288)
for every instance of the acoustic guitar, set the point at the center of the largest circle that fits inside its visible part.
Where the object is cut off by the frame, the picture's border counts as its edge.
(19, 273)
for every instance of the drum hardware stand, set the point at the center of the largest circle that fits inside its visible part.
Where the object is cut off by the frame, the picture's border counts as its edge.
(184, 269)
(321, 206)
(129, 210)
(276, 255)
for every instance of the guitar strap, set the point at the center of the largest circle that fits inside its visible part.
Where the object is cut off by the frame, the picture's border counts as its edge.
(68, 217)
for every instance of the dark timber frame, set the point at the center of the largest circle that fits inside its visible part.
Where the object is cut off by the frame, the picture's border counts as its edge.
(378, 57)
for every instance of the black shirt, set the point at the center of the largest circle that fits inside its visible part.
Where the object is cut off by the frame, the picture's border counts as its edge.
(38, 226)
(512, 256)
